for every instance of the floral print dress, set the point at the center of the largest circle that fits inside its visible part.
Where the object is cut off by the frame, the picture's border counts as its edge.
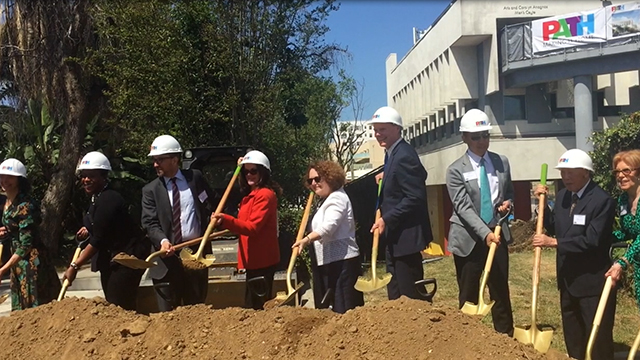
(34, 280)
(630, 229)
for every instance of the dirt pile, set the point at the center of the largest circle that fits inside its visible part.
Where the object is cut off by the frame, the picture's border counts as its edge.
(402, 329)
(522, 234)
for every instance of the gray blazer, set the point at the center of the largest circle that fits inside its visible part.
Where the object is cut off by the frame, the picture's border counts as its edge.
(467, 227)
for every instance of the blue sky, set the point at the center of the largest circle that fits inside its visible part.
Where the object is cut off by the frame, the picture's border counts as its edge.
(371, 30)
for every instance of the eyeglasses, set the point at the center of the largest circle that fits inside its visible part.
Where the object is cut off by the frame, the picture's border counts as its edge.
(317, 179)
(477, 137)
(625, 172)
(253, 171)
(160, 159)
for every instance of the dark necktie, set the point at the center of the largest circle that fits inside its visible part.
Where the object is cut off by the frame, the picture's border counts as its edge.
(574, 201)
(175, 210)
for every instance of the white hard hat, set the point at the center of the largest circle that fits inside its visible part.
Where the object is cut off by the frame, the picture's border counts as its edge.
(165, 144)
(575, 159)
(94, 160)
(386, 115)
(13, 167)
(475, 120)
(256, 157)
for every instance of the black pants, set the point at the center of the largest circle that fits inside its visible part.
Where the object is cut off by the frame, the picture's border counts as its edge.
(185, 287)
(338, 280)
(577, 320)
(468, 273)
(405, 271)
(120, 285)
(258, 292)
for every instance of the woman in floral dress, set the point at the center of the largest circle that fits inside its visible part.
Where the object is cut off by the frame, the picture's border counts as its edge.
(33, 278)
(626, 169)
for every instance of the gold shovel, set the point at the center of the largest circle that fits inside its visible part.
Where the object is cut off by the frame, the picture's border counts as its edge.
(602, 305)
(186, 253)
(134, 263)
(285, 298)
(541, 340)
(483, 308)
(634, 348)
(4, 297)
(363, 284)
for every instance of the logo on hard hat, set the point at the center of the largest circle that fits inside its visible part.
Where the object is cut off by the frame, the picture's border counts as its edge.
(154, 147)
(86, 162)
(6, 167)
(480, 123)
(563, 160)
(375, 116)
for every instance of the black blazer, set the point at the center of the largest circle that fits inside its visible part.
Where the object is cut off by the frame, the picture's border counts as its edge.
(403, 202)
(583, 250)
(156, 207)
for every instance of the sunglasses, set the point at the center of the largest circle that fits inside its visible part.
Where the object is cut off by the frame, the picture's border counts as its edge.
(625, 172)
(478, 136)
(253, 171)
(160, 159)
(317, 179)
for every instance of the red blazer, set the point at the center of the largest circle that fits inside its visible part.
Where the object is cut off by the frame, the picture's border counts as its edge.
(257, 225)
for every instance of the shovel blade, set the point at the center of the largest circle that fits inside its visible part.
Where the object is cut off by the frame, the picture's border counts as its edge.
(4, 298)
(186, 254)
(368, 285)
(291, 296)
(541, 340)
(481, 309)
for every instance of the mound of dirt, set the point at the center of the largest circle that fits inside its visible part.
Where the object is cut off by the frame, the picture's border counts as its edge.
(522, 234)
(91, 328)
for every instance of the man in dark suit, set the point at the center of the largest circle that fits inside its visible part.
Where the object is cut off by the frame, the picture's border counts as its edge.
(176, 207)
(478, 183)
(404, 224)
(582, 223)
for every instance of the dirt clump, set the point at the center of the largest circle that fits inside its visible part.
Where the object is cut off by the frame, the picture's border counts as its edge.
(522, 233)
(409, 329)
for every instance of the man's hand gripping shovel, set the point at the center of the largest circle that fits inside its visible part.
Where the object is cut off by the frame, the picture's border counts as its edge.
(541, 340)
(483, 308)
(374, 283)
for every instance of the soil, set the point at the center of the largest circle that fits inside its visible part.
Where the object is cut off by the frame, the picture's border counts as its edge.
(409, 329)
(193, 265)
(522, 233)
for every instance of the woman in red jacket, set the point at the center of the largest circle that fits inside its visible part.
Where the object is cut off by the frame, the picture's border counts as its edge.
(257, 225)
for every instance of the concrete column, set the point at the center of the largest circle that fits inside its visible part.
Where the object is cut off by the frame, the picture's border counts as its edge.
(583, 105)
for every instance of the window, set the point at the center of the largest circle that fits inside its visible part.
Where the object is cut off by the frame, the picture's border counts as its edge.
(606, 110)
(514, 107)
(559, 113)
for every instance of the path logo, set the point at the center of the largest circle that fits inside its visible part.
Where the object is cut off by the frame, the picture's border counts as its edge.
(617, 8)
(7, 167)
(481, 123)
(568, 27)
(86, 162)
(563, 160)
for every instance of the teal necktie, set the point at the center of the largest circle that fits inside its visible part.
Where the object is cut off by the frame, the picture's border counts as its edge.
(486, 206)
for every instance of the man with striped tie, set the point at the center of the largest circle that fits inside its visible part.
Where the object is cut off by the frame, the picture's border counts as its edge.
(479, 184)
(176, 207)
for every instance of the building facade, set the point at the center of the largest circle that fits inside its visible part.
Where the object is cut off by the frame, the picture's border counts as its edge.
(540, 107)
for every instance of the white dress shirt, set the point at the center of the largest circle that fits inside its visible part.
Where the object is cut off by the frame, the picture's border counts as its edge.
(188, 220)
(491, 173)
(335, 224)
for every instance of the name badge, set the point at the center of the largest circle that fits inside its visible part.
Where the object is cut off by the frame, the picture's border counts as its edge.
(579, 219)
(470, 175)
(203, 196)
(623, 210)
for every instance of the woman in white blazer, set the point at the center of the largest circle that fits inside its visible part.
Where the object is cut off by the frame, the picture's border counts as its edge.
(333, 234)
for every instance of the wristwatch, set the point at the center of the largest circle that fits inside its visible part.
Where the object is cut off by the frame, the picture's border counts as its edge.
(74, 265)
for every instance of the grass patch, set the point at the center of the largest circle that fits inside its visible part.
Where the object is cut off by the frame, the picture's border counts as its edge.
(627, 320)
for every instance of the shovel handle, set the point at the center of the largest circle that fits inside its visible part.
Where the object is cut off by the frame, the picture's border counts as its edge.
(188, 243)
(602, 305)
(1, 249)
(634, 347)
(65, 284)
(221, 204)
(296, 251)
(537, 252)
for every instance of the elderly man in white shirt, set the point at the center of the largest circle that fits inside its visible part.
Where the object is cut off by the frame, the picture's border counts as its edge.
(334, 240)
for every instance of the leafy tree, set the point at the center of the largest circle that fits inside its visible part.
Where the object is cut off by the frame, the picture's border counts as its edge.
(42, 43)
(606, 143)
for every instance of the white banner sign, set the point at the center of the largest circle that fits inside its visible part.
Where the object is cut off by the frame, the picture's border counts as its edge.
(623, 20)
(569, 30)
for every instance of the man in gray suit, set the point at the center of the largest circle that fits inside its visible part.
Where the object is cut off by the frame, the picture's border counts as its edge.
(176, 207)
(479, 183)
